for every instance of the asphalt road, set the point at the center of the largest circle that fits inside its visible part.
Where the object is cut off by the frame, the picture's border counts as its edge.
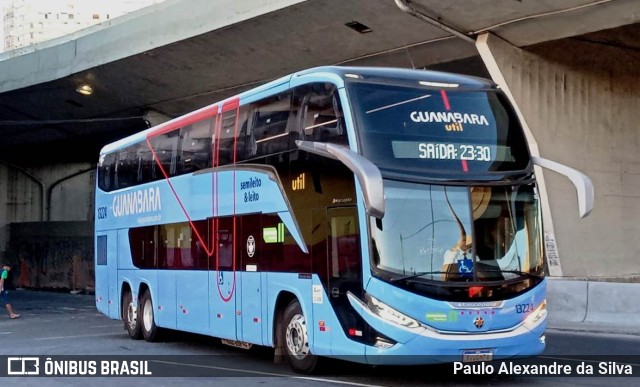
(58, 324)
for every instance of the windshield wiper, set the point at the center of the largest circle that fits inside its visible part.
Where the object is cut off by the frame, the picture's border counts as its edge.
(420, 274)
(521, 273)
(414, 275)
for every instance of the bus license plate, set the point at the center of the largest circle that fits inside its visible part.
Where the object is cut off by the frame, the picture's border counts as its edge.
(477, 355)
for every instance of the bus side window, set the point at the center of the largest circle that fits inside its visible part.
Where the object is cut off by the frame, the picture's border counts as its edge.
(321, 117)
(145, 164)
(200, 243)
(272, 125)
(245, 143)
(165, 147)
(126, 168)
(196, 143)
(106, 172)
(344, 247)
(226, 138)
(224, 243)
(142, 246)
(170, 244)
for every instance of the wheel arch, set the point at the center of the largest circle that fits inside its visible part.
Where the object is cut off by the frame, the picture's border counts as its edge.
(144, 287)
(125, 288)
(282, 301)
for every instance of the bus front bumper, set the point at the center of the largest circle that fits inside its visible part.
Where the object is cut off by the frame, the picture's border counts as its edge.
(425, 345)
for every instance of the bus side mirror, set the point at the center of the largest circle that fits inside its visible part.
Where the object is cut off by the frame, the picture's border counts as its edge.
(584, 186)
(368, 174)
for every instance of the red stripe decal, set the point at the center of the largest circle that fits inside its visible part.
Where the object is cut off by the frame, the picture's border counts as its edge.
(227, 106)
(445, 99)
(447, 106)
(185, 120)
(207, 249)
(177, 124)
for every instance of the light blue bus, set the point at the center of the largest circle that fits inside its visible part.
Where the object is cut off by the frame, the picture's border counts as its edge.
(376, 215)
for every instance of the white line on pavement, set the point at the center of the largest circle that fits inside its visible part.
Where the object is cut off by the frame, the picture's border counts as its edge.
(271, 374)
(76, 337)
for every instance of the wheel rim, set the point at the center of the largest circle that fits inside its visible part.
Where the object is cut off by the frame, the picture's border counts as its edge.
(296, 337)
(131, 316)
(148, 315)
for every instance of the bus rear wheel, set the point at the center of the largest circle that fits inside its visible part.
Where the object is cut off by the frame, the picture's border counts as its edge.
(294, 333)
(130, 317)
(148, 325)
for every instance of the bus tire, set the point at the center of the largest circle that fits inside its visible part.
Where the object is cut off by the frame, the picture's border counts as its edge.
(130, 317)
(147, 318)
(294, 333)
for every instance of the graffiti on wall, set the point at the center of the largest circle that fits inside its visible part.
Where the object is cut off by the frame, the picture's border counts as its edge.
(52, 262)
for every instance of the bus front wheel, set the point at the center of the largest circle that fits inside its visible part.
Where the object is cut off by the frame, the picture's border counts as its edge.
(294, 333)
(149, 329)
(130, 317)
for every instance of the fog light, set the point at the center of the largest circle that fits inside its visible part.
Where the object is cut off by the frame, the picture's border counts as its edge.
(382, 343)
(543, 339)
(388, 313)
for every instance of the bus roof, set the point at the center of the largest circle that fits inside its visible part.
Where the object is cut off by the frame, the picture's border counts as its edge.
(375, 74)
(395, 73)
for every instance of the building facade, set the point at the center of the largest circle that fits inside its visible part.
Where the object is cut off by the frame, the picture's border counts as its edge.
(28, 22)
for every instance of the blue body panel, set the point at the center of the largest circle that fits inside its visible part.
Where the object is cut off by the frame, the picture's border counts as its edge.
(222, 304)
(166, 310)
(241, 305)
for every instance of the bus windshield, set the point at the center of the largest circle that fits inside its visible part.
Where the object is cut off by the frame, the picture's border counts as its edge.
(451, 233)
(445, 134)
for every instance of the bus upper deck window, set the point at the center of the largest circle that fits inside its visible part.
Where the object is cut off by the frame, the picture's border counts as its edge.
(322, 118)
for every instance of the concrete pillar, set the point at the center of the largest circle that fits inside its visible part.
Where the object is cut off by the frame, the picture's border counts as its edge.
(69, 191)
(580, 100)
(21, 196)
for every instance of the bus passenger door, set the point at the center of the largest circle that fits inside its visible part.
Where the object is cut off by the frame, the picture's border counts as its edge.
(344, 265)
(224, 281)
(106, 273)
(251, 294)
(102, 273)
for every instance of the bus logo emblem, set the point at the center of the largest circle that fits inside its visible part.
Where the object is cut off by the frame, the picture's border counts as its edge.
(454, 127)
(251, 246)
(479, 322)
(297, 184)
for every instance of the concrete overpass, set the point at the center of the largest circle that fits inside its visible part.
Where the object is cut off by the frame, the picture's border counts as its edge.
(571, 67)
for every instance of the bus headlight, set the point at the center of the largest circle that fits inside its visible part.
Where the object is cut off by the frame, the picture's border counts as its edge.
(537, 315)
(388, 313)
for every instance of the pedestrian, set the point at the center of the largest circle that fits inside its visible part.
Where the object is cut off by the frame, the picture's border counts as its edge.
(4, 295)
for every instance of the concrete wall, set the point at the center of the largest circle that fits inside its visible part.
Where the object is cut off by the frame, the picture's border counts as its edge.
(71, 197)
(593, 303)
(46, 224)
(52, 255)
(581, 99)
(20, 200)
(68, 192)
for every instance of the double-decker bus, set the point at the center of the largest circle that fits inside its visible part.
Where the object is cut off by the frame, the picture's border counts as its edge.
(378, 215)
